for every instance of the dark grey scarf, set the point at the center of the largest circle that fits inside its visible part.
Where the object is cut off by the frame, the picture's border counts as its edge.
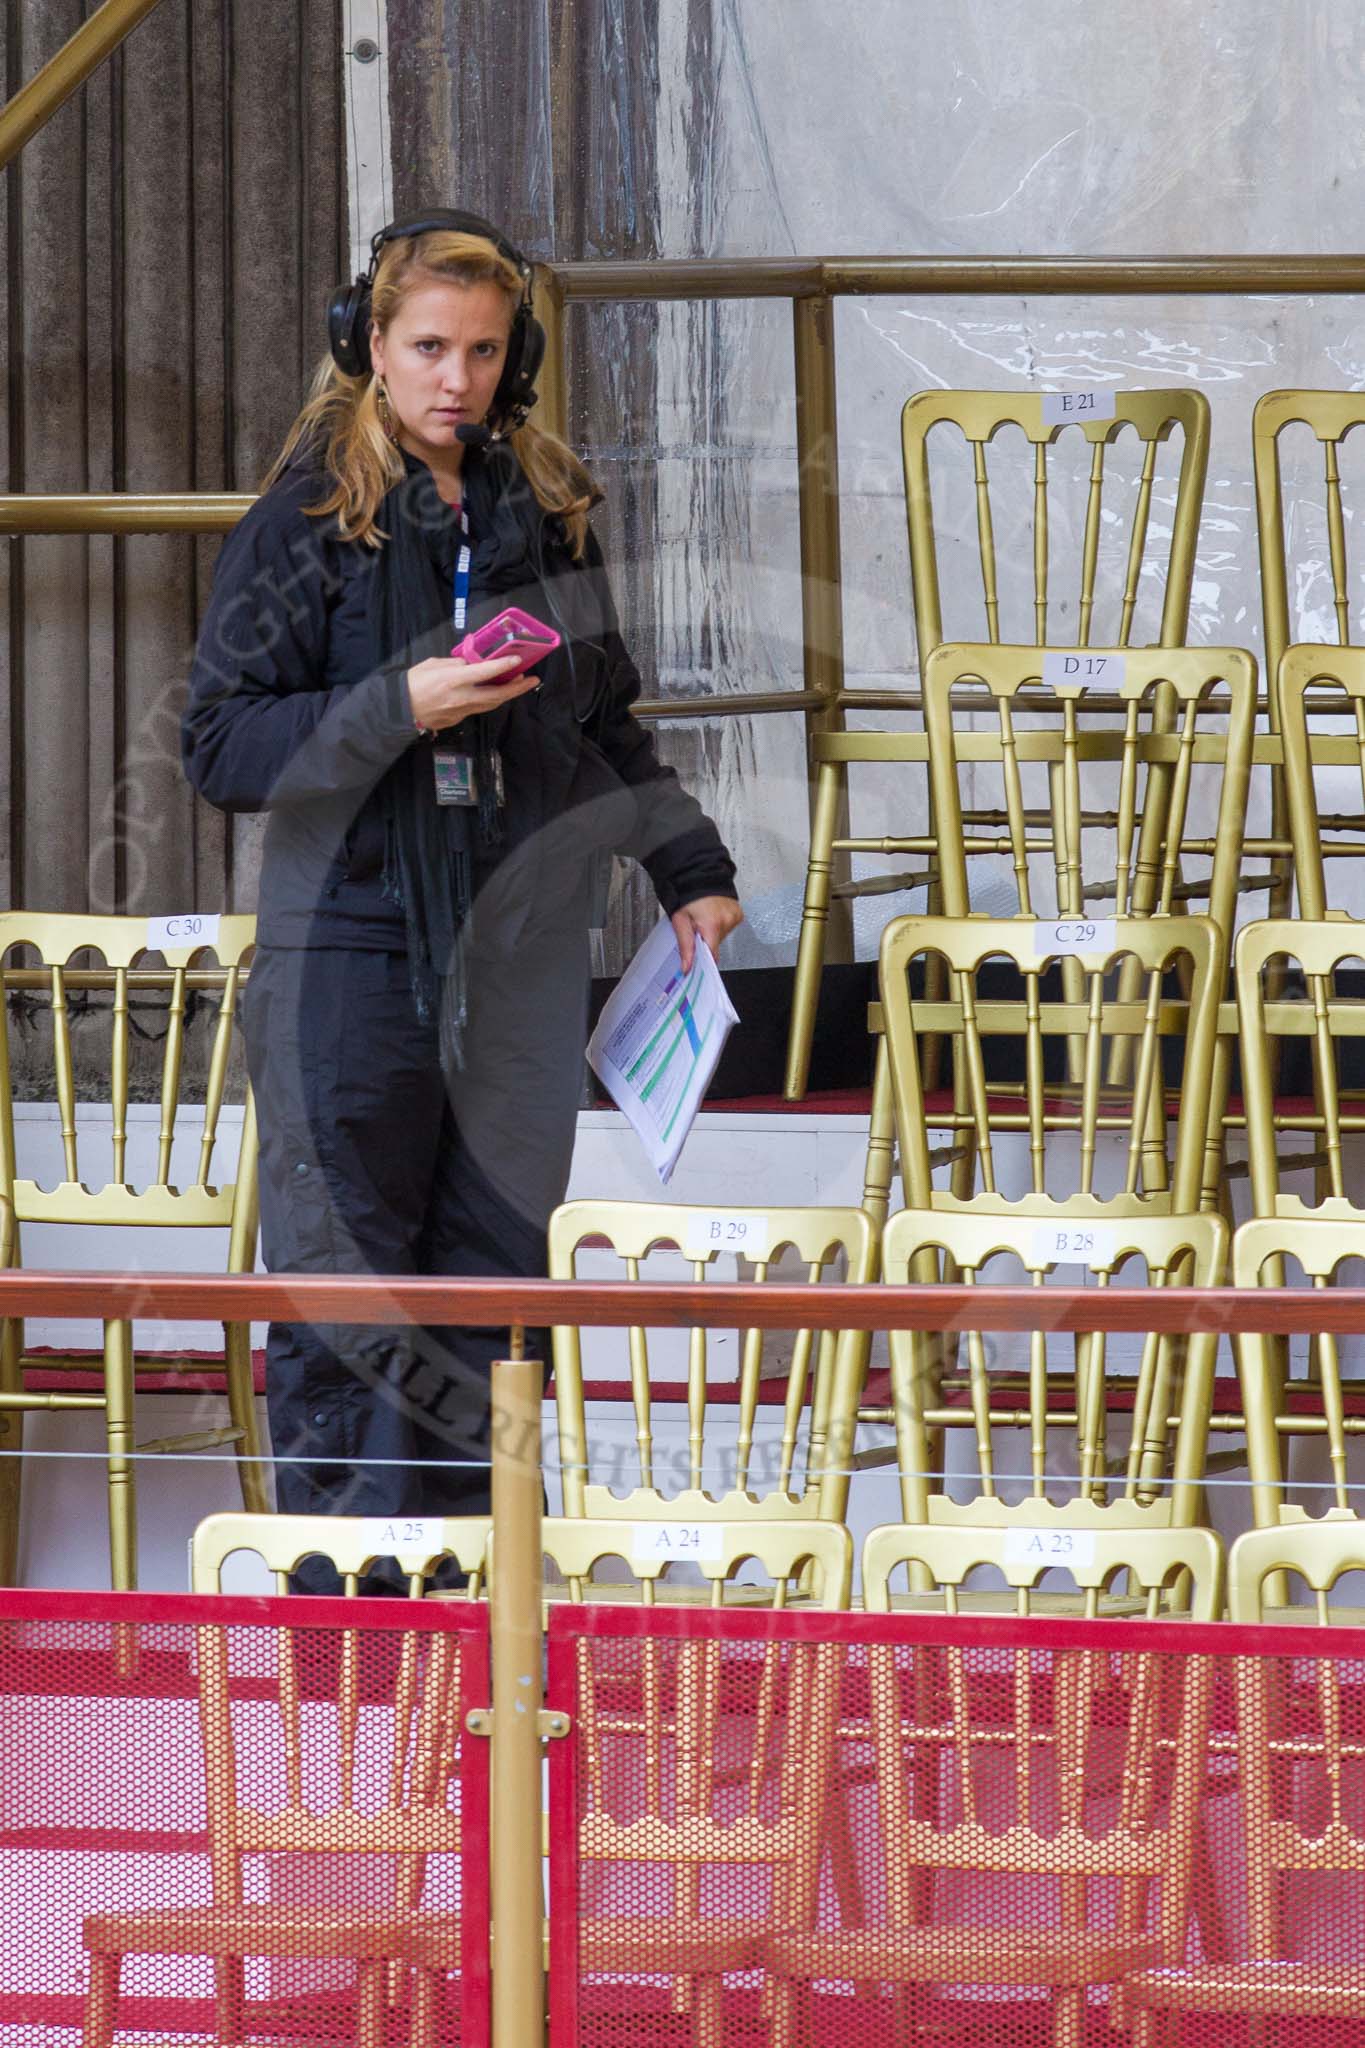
(432, 851)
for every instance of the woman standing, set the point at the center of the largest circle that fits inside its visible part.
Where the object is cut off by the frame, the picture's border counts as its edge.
(417, 1008)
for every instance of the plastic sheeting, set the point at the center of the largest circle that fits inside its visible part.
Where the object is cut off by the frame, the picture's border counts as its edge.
(988, 127)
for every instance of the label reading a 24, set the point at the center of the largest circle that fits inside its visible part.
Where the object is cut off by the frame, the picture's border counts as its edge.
(1061, 406)
(673, 1542)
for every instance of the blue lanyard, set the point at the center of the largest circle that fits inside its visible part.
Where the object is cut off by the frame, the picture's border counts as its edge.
(462, 573)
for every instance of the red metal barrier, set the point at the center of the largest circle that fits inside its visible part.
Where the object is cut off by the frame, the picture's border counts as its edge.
(795, 1829)
(259, 1816)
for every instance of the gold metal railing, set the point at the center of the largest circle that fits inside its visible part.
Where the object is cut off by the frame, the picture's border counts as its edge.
(22, 116)
(811, 285)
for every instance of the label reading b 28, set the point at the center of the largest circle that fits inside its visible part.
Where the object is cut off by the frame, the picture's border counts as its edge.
(1074, 1244)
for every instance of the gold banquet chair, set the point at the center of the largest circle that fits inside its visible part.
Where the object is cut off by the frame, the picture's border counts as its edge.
(799, 1469)
(1098, 777)
(351, 1543)
(1053, 1389)
(978, 417)
(1300, 1779)
(1007, 1808)
(1017, 1045)
(329, 1764)
(1295, 551)
(1097, 774)
(1297, 1389)
(1273, 1011)
(93, 1013)
(1320, 697)
(1157, 1566)
(680, 1781)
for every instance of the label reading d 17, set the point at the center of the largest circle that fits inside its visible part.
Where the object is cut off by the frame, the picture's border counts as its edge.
(191, 928)
(1061, 406)
(1050, 1546)
(1079, 665)
(676, 1542)
(727, 1230)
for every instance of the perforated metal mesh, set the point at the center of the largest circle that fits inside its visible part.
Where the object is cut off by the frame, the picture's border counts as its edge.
(234, 1820)
(877, 1830)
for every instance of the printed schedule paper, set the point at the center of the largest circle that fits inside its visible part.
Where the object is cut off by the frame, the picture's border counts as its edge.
(658, 1039)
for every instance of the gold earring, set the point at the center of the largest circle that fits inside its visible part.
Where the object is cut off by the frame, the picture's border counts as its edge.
(385, 411)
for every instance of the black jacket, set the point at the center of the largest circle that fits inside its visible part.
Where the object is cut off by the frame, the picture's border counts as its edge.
(292, 711)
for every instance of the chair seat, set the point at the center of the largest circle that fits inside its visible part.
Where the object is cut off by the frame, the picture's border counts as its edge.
(1275, 1990)
(962, 1955)
(264, 1930)
(701, 1947)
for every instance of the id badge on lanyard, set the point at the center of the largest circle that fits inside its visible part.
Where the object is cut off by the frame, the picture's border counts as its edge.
(456, 772)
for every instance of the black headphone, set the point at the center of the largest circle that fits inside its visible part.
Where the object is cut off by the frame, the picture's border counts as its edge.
(348, 315)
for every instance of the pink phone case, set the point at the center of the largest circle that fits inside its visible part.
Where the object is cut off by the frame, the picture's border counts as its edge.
(511, 632)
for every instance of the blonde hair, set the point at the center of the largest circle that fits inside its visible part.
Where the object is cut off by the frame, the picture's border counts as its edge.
(341, 413)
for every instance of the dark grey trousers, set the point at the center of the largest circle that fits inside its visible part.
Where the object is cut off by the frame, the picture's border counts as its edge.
(372, 1163)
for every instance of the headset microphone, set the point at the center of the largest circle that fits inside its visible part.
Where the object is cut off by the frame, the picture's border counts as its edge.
(348, 316)
(474, 436)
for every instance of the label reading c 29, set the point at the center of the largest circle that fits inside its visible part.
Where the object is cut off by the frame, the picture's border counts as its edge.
(1055, 938)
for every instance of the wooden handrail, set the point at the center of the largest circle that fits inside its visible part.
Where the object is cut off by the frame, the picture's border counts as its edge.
(371, 1298)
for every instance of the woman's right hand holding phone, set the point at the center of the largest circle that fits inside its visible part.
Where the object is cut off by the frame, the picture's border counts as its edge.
(445, 689)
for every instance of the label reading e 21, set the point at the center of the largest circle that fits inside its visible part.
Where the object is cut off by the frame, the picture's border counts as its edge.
(1050, 1546)
(1074, 1244)
(1061, 406)
(191, 928)
(1067, 935)
(670, 1542)
(388, 1538)
(727, 1230)
(1079, 665)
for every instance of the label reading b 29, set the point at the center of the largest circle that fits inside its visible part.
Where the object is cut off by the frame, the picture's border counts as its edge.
(727, 1230)
(1061, 406)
